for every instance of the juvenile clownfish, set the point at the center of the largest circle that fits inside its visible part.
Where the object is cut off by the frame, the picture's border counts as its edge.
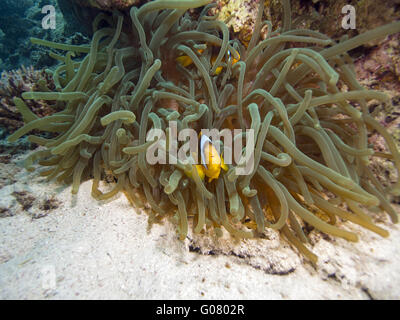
(211, 161)
(185, 60)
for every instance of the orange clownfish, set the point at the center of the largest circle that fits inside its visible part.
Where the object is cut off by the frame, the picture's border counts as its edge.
(211, 160)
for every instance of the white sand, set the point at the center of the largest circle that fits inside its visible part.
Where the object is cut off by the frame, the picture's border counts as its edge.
(90, 250)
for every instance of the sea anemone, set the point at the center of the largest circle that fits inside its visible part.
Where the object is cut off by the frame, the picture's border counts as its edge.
(296, 90)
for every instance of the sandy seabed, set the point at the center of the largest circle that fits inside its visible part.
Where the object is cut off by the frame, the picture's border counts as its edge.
(54, 245)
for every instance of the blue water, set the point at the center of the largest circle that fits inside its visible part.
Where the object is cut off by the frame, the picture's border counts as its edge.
(22, 19)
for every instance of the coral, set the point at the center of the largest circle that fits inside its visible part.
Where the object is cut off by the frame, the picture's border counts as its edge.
(379, 67)
(296, 91)
(239, 15)
(325, 16)
(109, 4)
(13, 84)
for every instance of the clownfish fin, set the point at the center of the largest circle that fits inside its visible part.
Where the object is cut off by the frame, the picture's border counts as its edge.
(218, 70)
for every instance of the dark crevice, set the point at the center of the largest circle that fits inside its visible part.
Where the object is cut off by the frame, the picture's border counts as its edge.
(271, 269)
(366, 291)
(194, 249)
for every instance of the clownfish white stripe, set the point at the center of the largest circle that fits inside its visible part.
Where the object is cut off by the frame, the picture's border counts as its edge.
(203, 141)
